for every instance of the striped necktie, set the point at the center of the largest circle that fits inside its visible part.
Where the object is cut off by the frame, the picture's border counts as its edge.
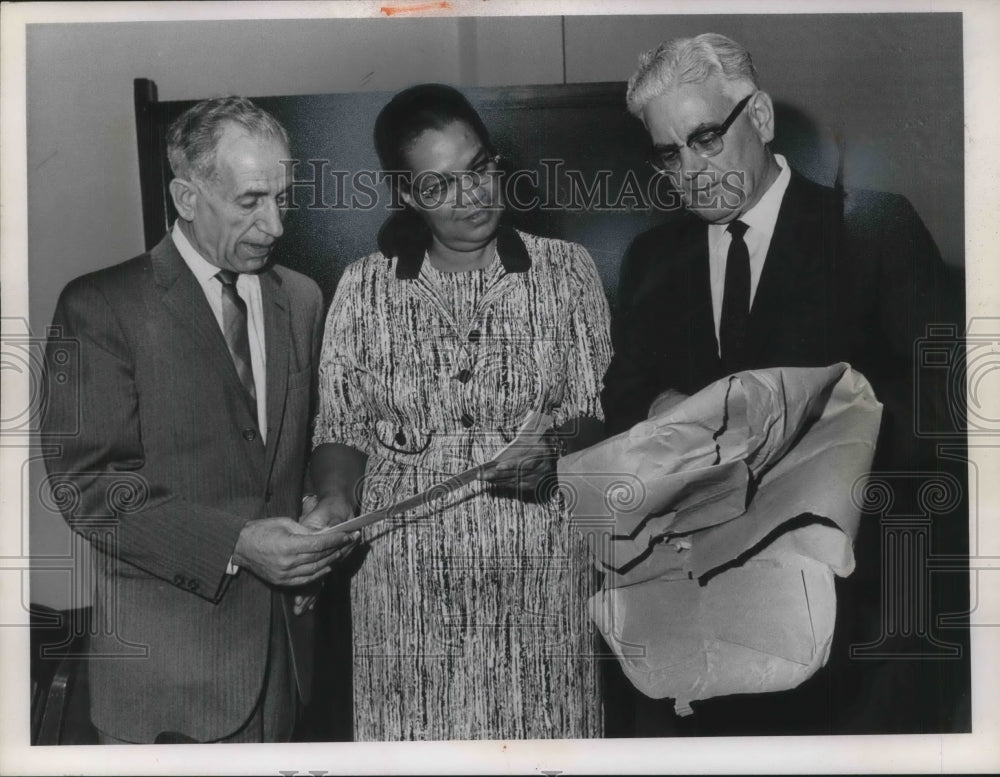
(234, 327)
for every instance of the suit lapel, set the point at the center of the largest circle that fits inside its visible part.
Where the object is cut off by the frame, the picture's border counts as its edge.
(277, 334)
(701, 288)
(797, 245)
(700, 327)
(185, 299)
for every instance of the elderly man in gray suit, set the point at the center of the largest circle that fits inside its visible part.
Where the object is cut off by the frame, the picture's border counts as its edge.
(196, 373)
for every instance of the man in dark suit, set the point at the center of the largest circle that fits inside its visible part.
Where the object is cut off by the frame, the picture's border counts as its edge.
(193, 404)
(764, 268)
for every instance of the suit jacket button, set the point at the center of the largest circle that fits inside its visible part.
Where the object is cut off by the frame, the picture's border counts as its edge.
(467, 420)
(249, 435)
(192, 585)
(475, 335)
(464, 375)
(178, 579)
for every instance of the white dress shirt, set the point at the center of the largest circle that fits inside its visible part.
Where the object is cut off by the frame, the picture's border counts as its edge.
(248, 287)
(760, 220)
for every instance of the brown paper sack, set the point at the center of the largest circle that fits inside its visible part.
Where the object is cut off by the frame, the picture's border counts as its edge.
(719, 524)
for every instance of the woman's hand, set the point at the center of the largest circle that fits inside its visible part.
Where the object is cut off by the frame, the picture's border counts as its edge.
(319, 514)
(329, 511)
(523, 467)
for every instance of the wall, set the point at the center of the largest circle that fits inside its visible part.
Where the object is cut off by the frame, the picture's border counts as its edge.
(84, 175)
(891, 84)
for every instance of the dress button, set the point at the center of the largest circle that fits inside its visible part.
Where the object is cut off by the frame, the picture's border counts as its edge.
(467, 420)
(400, 438)
(464, 375)
(249, 435)
(474, 336)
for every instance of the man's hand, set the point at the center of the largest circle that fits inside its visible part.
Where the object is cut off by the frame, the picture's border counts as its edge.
(524, 466)
(282, 552)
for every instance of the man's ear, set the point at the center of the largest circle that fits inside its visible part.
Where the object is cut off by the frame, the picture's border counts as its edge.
(185, 197)
(761, 112)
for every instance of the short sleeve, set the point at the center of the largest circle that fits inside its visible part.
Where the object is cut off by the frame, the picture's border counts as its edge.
(589, 341)
(342, 416)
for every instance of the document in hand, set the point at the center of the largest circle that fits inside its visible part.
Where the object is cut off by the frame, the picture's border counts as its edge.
(720, 523)
(530, 433)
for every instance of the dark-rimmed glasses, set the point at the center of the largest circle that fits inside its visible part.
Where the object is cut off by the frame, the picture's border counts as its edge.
(705, 143)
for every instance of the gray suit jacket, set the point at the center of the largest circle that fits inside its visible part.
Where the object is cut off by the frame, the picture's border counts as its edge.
(166, 467)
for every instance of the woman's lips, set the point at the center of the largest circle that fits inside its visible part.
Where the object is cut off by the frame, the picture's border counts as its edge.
(478, 216)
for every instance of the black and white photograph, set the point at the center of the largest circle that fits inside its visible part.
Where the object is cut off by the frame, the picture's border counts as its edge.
(434, 387)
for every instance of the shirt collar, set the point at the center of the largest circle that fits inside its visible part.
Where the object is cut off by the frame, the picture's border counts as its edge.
(764, 215)
(513, 253)
(203, 269)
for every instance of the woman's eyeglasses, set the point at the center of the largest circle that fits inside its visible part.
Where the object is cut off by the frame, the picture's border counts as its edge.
(433, 188)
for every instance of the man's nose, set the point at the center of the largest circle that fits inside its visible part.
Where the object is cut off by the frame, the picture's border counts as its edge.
(691, 164)
(269, 221)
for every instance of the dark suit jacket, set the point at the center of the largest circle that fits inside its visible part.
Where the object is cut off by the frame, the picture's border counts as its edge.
(167, 467)
(853, 279)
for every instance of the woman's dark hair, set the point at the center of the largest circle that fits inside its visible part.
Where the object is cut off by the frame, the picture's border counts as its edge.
(408, 115)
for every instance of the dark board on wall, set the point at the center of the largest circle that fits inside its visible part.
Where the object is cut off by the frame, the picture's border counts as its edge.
(574, 160)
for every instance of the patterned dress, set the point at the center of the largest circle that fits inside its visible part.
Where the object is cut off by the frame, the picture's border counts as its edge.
(469, 615)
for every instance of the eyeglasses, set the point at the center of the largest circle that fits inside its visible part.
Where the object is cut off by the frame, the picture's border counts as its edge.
(433, 188)
(705, 143)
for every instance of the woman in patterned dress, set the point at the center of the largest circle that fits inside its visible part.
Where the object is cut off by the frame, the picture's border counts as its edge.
(469, 614)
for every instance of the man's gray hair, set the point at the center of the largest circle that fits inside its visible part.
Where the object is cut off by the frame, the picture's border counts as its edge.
(193, 137)
(688, 61)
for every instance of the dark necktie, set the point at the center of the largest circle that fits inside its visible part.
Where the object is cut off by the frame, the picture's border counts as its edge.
(234, 327)
(735, 300)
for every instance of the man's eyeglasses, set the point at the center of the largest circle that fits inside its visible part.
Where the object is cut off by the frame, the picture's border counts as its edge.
(705, 143)
(433, 188)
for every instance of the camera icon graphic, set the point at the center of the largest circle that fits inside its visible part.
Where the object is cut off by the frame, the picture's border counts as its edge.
(44, 365)
(962, 372)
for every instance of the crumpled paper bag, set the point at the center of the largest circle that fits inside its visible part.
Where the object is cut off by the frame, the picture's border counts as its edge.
(720, 523)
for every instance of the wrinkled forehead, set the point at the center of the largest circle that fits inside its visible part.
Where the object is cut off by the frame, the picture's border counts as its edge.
(685, 108)
(244, 160)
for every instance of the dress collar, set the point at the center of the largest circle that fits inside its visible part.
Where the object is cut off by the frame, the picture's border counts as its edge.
(513, 253)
